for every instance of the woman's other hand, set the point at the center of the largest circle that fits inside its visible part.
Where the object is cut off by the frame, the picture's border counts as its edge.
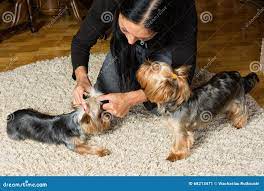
(82, 87)
(120, 103)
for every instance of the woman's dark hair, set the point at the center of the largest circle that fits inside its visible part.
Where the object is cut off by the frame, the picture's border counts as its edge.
(156, 15)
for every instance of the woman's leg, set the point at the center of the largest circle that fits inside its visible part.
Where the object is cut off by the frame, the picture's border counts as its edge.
(108, 79)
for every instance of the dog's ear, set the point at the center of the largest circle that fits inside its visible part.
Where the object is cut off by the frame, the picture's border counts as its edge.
(85, 119)
(182, 71)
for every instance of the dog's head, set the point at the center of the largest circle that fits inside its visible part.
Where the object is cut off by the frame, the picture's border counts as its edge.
(95, 120)
(162, 84)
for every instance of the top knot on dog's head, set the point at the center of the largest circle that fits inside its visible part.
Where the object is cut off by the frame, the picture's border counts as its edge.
(162, 84)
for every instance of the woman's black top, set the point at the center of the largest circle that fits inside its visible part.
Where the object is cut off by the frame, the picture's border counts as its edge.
(98, 21)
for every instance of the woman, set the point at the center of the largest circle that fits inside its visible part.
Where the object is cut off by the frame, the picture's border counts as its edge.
(163, 30)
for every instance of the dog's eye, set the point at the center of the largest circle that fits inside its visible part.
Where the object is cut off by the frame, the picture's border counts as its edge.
(156, 67)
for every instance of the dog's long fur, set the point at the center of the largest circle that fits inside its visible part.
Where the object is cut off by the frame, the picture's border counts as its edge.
(188, 109)
(72, 129)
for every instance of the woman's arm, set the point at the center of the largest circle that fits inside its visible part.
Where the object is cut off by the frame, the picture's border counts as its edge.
(136, 97)
(92, 27)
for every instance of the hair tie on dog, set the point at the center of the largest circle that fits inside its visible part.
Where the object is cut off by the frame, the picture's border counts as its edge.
(174, 76)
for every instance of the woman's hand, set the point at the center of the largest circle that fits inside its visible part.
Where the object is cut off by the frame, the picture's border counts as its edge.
(119, 103)
(82, 87)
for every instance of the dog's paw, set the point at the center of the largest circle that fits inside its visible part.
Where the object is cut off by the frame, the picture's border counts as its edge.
(181, 150)
(240, 123)
(177, 156)
(103, 152)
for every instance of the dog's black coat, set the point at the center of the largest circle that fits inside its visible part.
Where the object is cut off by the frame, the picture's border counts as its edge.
(214, 95)
(31, 124)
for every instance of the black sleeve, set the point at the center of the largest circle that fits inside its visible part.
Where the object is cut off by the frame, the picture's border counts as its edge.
(96, 23)
(184, 48)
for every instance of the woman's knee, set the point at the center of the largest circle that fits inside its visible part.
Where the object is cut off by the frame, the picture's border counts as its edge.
(108, 78)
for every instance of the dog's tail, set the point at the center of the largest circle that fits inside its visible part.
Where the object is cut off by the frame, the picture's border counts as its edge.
(250, 81)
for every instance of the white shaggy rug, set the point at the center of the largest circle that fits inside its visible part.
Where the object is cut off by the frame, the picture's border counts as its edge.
(139, 143)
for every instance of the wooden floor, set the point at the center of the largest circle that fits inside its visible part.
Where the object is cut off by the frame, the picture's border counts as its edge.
(231, 40)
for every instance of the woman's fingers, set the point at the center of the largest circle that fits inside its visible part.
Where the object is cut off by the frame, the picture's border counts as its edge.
(81, 100)
(105, 97)
(102, 97)
(108, 106)
(75, 98)
(83, 86)
(117, 104)
(78, 97)
(84, 105)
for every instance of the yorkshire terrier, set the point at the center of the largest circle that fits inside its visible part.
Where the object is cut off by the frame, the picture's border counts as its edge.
(184, 108)
(72, 129)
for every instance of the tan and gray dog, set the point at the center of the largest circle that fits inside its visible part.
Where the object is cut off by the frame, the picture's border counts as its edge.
(169, 89)
(72, 129)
